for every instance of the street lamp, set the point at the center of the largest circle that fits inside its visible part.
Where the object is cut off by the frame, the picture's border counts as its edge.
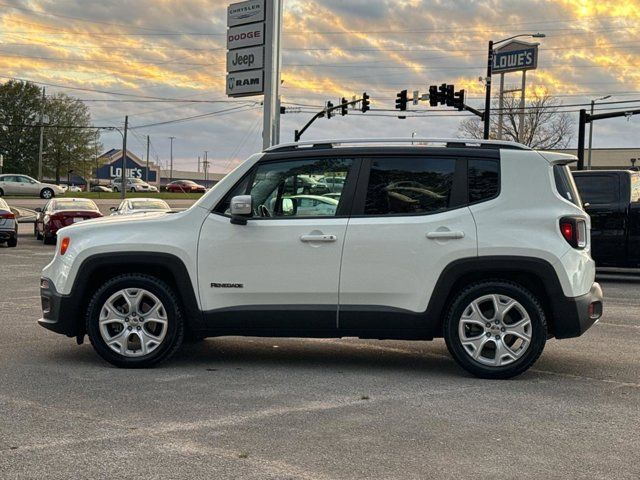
(593, 104)
(487, 102)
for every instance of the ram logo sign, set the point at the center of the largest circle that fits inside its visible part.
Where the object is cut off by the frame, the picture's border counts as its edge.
(514, 57)
(245, 83)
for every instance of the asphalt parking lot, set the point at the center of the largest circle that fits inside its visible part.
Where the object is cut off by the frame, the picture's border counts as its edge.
(311, 409)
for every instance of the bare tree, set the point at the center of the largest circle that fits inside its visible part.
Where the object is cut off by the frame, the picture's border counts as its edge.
(545, 126)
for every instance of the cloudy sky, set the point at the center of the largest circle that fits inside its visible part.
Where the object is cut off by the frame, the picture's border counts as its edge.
(164, 60)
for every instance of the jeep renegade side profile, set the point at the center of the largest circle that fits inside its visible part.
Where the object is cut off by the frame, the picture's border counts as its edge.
(483, 243)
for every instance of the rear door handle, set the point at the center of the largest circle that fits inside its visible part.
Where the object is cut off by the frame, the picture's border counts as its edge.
(446, 235)
(318, 238)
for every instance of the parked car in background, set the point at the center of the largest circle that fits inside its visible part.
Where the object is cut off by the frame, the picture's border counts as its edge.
(314, 205)
(185, 186)
(8, 225)
(133, 206)
(133, 185)
(334, 184)
(61, 212)
(101, 188)
(612, 199)
(12, 184)
(74, 189)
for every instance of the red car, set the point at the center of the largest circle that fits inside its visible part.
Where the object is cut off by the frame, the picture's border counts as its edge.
(185, 186)
(61, 212)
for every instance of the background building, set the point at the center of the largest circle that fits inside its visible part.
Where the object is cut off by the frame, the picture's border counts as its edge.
(609, 158)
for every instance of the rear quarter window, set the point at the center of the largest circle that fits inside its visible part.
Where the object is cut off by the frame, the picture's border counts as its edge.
(566, 185)
(483, 179)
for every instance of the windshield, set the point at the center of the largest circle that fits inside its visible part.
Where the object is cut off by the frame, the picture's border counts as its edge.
(149, 205)
(74, 205)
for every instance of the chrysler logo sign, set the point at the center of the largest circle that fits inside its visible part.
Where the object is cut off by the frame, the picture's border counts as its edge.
(245, 12)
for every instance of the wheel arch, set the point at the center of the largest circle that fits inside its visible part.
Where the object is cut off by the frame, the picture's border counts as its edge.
(97, 269)
(536, 275)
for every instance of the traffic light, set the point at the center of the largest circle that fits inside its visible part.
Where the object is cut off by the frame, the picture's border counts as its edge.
(344, 106)
(449, 99)
(458, 100)
(366, 103)
(433, 96)
(401, 101)
(328, 110)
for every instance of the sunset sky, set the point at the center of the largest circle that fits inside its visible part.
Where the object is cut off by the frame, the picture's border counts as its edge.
(141, 56)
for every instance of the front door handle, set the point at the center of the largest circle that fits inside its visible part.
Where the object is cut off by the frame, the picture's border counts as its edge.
(445, 235)
(318, 238)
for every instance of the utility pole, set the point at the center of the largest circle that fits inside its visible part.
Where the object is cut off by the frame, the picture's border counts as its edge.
(147, 173)
(198, 163)
(487, 100)
(593, 104)
(171, 161)
(205, 166)
(124, 158)
(272, 60)
(41, 137)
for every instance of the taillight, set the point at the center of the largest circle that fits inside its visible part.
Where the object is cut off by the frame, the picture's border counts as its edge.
(574, 231)
(7, 216)
(64, 245)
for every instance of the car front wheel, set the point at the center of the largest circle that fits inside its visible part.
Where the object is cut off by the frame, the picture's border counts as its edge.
(495, 329)
(46, 193)
(134, 321)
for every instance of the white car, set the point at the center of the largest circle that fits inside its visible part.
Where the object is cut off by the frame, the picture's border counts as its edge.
(133, 206)
(133, 185)
(489, 248)
(11, 184)
(74, 189)
(8, 225)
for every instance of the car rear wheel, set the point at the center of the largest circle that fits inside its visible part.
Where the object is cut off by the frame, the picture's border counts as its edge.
(36, 233)
(495, 329)
(134, 321)
(12, 242)
(46, 193)
(1, 192)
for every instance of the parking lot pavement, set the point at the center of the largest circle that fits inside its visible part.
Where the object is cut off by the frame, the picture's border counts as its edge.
(311, 409)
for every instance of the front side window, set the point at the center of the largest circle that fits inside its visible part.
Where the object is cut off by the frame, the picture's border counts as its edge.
(409, 186)
(290, 189)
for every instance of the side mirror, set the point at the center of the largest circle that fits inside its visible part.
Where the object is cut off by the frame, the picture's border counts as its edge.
(586, 205)
(241, 208)
(113, 209)
(38, 210)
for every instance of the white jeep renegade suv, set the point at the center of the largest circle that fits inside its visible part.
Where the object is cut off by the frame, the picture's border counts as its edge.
(483, 243)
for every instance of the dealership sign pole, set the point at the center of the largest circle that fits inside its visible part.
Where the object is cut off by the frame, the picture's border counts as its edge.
(253, 58)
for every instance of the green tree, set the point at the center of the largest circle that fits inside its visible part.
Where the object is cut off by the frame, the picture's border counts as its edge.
(20, 105)
(69, 146)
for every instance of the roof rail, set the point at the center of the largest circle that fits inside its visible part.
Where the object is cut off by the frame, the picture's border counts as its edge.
(421, 142)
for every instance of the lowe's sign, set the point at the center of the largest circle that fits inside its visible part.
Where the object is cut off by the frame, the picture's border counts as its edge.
(113, 170)
(515, 57)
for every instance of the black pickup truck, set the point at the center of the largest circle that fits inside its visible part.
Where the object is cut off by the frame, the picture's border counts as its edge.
(612, 199)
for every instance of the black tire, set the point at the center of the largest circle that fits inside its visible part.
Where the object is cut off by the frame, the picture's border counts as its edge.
(1, 193)
(12, 242)
(47, 193)
(175, 327)
(48, 239)
(37, 233)
(538, 328)
(133, 190)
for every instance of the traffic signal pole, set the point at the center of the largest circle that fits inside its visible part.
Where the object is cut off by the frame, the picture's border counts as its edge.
(588, 118)
(487, 100)
(330, 109)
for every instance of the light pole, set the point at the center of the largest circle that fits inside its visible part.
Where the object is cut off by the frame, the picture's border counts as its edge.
(171, 164)
(487, 100)
(593, 104)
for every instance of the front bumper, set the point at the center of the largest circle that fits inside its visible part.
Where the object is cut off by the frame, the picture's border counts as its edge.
(574, 316)
(59, 312)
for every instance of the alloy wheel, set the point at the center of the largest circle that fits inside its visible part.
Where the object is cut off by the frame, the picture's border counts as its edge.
(133, 322)
(495, 330)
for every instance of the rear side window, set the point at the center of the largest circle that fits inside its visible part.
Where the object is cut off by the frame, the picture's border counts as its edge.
(484, 182)
(598, 189)
(409, 186)
(565, 185)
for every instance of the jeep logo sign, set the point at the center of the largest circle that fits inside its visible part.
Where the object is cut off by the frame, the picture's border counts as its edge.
(245, 59)
(245, 83)
(245, 36)
(245, 12)
(514, 57)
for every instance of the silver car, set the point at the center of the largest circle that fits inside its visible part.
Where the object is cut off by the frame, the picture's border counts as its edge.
(13, 184)
(133, 185)
(8, 225)
(140, 205)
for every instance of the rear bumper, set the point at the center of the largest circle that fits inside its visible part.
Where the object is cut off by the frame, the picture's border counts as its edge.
(7, 234)
(574, 316)
(58, 311)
